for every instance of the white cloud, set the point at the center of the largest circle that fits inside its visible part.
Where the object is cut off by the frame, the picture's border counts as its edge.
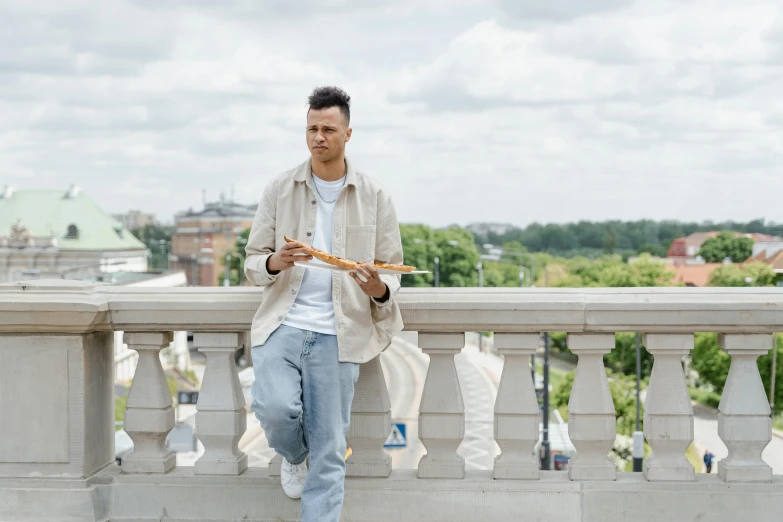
(525, 111)
(559, 9)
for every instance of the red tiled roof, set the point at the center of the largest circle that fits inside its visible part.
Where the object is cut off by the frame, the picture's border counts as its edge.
(693, 275)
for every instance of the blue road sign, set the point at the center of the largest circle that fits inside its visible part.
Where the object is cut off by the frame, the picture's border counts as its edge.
(397, 436)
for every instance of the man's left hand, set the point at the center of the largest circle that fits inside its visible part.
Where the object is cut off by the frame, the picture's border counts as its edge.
(374, 287)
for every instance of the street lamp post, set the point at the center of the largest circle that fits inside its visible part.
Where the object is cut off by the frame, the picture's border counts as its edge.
(546, 463)
(638, 435)
(774, 370)
(480, 269)
(524, 276)
(437, 272)
(164, 250)
(193, 270)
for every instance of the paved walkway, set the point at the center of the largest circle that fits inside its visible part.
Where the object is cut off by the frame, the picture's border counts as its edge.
(705, 426)
(405, 368)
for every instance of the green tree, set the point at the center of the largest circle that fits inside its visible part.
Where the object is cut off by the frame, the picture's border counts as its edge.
(652, 249)
(649, 272)
(158, 241)
(622, 359)
(611, 271)
(458, 257)
(751, 274)
(500, 274)
(726, 245)
(712, 365)
(623, 391)
(419, 251)
(237, 264)
(627, 238)
(454, 247)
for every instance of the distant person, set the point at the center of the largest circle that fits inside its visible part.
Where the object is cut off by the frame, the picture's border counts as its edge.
(314, 327)
(708, 458)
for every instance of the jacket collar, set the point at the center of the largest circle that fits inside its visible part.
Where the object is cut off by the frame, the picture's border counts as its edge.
(303, 171)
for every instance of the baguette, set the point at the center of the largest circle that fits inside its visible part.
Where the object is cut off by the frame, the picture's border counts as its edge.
(346, 263)
(325, 256)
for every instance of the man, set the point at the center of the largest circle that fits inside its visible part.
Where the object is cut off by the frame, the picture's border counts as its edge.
(314, 326)
(708, 457)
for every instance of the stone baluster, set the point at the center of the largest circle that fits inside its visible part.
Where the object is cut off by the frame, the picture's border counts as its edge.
(744, 422)
(592, 425)
(276, 465)
(668, 415)
(149, 416)
(441, 411)
(370, 424)
(516, 409)
(221, 418)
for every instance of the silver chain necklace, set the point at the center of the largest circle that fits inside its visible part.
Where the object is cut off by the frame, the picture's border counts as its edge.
(315, 186)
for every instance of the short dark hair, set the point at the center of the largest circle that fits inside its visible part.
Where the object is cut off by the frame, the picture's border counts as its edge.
(325, 97)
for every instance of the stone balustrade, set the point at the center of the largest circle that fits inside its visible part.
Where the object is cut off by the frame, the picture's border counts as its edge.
(57, 424)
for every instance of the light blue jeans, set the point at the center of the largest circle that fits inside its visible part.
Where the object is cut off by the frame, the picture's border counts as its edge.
(302, 396)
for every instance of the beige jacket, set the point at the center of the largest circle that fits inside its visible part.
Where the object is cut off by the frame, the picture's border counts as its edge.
(365, 229)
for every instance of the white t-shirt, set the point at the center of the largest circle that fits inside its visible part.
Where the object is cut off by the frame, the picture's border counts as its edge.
(313, 308)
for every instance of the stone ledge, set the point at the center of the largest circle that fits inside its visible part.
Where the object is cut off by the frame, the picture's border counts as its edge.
(180, 495)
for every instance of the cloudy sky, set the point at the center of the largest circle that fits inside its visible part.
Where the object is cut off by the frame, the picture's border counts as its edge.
(468, 110)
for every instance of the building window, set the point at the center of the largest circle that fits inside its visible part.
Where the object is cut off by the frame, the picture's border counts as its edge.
(73, 232)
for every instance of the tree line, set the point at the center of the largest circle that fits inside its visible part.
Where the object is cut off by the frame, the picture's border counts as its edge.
(627, 238)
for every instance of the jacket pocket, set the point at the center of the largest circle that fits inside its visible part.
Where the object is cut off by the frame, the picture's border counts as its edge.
(360, 243)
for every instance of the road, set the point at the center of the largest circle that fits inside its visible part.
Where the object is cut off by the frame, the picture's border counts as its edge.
(705, 427)
(405, 368)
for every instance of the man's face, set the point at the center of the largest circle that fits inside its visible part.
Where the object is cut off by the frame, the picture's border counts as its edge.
(327, 133)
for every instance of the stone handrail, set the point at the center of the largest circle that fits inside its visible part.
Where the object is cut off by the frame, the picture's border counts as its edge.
(61, 333)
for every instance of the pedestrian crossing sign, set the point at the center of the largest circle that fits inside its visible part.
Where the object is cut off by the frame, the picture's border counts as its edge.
(397, 436)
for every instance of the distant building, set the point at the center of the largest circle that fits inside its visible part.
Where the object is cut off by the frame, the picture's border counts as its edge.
(202, 238)
(62, 234)
(483, 229)
(135, 219)
(686, 248)
(693, 274)
(771, 254)
(768, 248)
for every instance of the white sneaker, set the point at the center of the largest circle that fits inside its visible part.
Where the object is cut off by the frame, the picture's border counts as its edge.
(292, 477)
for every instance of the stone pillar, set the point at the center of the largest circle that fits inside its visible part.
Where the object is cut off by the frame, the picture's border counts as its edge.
(370, 424)
(441, 412)
(516, 409)
(744, 422)
(56, 402)
(221, 419)
(276, 465)
(592, 425)
(149, 416)
(668, 415)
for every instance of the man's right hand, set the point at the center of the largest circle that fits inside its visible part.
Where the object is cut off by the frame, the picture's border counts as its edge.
(286, 256)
